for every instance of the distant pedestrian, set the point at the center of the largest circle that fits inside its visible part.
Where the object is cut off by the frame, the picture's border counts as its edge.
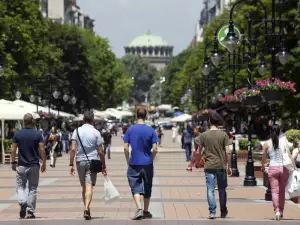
(188, 135)
(31, 148)
(174, 132)
(65, 138)
(90, 159)
(107, 142)
(142, 139)
(277, 173)
(53, 145)
(217, 165)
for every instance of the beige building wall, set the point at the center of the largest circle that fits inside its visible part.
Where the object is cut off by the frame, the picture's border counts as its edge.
(56, 9)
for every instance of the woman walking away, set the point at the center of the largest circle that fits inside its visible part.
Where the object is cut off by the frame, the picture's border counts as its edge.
(277, 173)
(188, 135)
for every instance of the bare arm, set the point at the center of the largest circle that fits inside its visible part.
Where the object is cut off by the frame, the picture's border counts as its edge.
(264, 156)
(14, 152)
(102, 156)
(154, 150)
(73, 151)
(126, 151)
(228, 156)
(42, 152)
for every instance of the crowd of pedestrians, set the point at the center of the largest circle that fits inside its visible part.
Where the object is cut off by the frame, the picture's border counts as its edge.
(89, 147)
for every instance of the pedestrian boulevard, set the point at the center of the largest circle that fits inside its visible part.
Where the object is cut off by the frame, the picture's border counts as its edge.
(178, 196)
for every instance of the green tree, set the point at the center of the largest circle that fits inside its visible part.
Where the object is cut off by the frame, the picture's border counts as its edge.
(139, 70)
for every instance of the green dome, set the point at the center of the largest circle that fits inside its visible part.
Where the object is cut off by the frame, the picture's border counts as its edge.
(149, 40)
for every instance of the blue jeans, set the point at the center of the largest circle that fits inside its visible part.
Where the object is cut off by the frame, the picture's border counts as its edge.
(65, 145)
(107, 148)
(188, 151)
(220, 175)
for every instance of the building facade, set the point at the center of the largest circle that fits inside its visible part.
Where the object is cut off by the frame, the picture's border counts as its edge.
(212, 8)
(153, 47)
(66, 11)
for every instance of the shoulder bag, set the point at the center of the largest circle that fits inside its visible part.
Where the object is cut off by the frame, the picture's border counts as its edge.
(95, 164)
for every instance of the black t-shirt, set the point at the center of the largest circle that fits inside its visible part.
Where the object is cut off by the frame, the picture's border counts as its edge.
(28, 140)
(107, 137)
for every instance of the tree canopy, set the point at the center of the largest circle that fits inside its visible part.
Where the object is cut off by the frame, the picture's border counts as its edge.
(40, 56)
(185, 69)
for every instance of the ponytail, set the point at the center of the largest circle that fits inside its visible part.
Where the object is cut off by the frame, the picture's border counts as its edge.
(275, 131)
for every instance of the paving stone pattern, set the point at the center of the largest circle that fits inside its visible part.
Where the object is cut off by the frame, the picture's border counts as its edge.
(179, 197)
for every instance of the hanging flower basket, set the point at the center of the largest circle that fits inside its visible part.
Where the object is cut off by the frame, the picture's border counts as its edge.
(252, 100)
(233, 106)
(273, 96)
(232, 102)
(274, 90)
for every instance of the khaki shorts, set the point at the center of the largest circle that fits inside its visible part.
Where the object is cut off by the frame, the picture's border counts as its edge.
(85, 174)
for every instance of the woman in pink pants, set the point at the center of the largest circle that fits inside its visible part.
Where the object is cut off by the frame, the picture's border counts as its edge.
(277, 173)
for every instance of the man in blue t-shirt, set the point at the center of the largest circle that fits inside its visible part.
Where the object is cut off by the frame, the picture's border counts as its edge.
(143, 140)
(31, 149)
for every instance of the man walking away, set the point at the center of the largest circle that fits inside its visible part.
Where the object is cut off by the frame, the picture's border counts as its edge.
(31, 147)
(87, 144)
(217, 162)
(107, 142)
(142, 139)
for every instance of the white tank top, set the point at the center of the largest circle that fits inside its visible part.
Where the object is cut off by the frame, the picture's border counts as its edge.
(276, 155)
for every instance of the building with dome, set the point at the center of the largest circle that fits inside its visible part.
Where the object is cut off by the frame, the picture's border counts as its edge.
(153, 47)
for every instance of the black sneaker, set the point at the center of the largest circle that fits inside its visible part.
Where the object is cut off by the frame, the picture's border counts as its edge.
(139, 215)
(23, 209)
(87, 215)
(147, 215)
(224, 214)
(30, 215)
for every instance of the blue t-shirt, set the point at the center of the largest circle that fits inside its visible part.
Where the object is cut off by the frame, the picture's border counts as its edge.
(141, 137)
(28, 140)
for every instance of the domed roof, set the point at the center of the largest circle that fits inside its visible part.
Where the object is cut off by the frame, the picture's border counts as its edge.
(148, 39)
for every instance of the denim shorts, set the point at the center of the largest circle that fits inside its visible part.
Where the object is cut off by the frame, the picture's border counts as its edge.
(140, 179)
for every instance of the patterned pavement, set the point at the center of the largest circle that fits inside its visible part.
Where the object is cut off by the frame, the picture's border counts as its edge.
(179, 197)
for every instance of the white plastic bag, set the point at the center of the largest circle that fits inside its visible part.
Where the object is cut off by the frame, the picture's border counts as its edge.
(110, 192)
(293, 186)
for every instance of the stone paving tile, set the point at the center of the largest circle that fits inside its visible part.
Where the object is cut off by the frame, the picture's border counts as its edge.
(178, 195)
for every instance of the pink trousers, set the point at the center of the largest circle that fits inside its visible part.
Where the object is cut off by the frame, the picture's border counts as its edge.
(278, 178)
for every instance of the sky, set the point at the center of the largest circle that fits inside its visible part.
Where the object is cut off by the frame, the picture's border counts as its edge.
(122, 20)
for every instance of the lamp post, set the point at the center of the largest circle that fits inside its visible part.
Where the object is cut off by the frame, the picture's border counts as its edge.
(231, 42)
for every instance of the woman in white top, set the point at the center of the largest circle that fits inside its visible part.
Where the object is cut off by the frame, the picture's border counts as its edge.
(277, 173)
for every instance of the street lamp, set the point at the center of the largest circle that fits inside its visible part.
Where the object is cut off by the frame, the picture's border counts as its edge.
(216, 58)
(283, 56)
(66, 97)
(56, 94)
(231, 40)
(262, 66)
(18, 94)
(73, 100)
(32, 98)
(206, 69)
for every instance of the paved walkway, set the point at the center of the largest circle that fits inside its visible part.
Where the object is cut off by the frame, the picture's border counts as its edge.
(179, 197)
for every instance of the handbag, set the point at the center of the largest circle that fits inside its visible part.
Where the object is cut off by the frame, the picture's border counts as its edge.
(95, 164)
(287, 161)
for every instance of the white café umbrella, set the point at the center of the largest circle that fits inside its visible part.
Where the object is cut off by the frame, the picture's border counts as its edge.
(182, 118)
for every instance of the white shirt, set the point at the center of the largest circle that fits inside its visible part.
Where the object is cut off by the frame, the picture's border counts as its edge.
(276, 156)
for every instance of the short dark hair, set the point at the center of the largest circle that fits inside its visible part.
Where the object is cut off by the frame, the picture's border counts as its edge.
(141, 113)
(28, 119)
(88, 116)
(215, 119)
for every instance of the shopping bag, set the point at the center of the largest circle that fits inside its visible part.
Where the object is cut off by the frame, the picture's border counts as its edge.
(110, 192)
(293, 186)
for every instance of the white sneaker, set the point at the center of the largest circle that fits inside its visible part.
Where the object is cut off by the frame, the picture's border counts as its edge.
(277, 216)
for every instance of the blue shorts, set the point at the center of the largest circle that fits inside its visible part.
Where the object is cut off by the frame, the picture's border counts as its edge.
(140, 179)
